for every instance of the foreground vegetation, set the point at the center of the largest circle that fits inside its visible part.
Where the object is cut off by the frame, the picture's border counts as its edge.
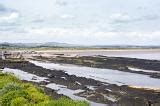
(14, 92)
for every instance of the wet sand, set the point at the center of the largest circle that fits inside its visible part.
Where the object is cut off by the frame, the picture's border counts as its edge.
(133, 53)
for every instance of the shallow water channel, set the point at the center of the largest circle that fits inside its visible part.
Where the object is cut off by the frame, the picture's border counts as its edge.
(105, 75)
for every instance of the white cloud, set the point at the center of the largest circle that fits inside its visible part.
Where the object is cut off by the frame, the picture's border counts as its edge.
(83, 22)
(92, 36)
(9, 18)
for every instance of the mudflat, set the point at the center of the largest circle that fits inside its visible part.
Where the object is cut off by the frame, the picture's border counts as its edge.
(133, 53)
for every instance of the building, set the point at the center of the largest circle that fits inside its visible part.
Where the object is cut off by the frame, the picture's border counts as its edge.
(5, 55)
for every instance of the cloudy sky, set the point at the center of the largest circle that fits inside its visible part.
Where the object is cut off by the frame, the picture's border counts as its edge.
(87, 22)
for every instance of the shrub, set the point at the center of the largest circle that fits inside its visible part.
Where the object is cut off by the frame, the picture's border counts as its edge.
(35, 96)
(20, 101)
(10, 87)
(7, 78)
(8, 97)
(28, 85)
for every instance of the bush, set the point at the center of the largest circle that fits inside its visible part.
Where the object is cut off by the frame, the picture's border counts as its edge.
(7, 78)
(20, 101)
(35, 96)
(8, 97)
(10, 87)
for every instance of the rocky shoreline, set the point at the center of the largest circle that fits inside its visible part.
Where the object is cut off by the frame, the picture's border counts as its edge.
(102, 93)
(115, 63)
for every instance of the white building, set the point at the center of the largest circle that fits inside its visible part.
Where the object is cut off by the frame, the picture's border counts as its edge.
(2, 54)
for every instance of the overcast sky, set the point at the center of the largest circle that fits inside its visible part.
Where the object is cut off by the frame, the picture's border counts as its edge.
(90, 22)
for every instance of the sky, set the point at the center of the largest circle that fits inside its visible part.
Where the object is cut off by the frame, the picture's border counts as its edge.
(87, 22)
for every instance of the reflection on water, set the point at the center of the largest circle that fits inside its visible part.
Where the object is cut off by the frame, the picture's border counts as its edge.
(105, 75)
(24, 75)
(142, 70)
(111, 76)
(70, 93)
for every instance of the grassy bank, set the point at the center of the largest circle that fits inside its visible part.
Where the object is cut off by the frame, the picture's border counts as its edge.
(14, 92)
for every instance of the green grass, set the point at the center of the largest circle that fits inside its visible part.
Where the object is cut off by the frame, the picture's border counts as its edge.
(14, 92)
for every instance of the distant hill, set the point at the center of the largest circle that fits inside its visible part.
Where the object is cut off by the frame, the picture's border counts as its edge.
(29, 45)
(53, 44)
(66, 45)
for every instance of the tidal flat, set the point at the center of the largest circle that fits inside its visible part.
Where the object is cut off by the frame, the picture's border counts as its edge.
(94, 76)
